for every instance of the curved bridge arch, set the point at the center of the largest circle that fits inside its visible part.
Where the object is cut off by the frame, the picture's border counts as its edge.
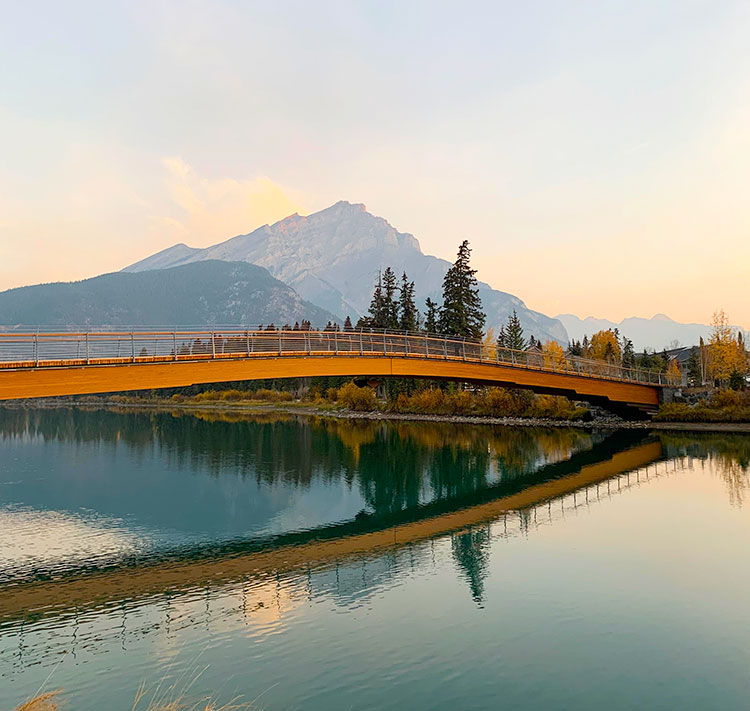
(46, 365)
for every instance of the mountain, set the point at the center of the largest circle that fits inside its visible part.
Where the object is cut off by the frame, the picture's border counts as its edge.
(658, 332)
(332, 258)
(203, 293)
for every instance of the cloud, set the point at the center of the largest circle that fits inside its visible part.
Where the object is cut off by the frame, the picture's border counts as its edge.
(204, 210)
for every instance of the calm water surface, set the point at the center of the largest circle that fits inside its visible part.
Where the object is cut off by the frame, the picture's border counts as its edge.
(336, 565)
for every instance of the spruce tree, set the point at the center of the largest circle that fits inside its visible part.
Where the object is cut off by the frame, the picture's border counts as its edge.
(407, 318)
(376, 318)
(628, 354)
(462, 313)
(514, 333)
(694, 366)
(348, 324)
(390, 302)
(432, 316)
(502, 338)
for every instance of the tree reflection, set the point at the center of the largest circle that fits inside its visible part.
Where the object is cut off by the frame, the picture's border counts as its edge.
(471, 552)
(728, 454)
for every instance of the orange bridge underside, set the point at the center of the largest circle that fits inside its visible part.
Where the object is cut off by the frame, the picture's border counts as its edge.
(50, 381)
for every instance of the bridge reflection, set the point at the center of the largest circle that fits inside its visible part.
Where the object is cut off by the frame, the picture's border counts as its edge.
(119, 608)
(463, 502)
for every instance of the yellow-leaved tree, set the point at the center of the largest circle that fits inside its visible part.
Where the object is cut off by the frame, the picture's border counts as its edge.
(553, 355)
(489, 344)
(725, 349)
(605, 346)
(674, 373)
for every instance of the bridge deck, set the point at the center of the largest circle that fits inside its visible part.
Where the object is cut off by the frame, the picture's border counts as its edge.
(52, 364)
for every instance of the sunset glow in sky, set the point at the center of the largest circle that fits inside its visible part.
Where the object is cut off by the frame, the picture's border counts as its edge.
(596, 154)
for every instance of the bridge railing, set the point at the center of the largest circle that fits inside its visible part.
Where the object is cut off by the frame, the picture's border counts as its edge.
(43, 349)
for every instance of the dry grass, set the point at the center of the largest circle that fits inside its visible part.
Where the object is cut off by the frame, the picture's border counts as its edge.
(48, 701)
(41, 702)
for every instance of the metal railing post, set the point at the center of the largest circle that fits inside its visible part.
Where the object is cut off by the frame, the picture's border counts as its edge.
(213, 344)
(335, 343)
(88, 359)
(406, 343)
(445, 347)
(132, 346)
(426, 347)
(463, 346)
(361, 347)
(174, 343)
(279, 341)
(309, 343)
(36, 349)
(384, 348)
(247, 338)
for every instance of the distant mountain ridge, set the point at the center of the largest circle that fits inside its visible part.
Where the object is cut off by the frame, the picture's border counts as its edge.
(210, 292)
(657, 332)
(332, 257)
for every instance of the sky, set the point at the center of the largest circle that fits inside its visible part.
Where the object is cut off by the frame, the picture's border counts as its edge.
(595, 153)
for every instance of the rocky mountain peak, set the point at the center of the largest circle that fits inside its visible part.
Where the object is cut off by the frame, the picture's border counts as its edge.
(332, 258)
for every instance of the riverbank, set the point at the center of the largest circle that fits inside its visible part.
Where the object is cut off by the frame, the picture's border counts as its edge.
(312, 410)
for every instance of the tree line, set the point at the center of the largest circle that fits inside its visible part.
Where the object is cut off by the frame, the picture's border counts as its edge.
(393, 305)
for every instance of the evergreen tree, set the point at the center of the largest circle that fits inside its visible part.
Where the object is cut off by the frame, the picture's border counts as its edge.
(462, 313)
(376, 318)
(574, 349)
(628, 354)
(694, 366)
(502, 338)
(390, 302)
(514, 333)
(348, 324)
(408, 314)
(432, 316)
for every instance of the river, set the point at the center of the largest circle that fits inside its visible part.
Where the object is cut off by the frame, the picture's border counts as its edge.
(306, 563)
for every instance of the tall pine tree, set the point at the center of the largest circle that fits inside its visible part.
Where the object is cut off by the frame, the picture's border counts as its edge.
(432, 316)
(390, 302)
(628, 354)
(376, 312)
(408, 316)
(512, 334)
(462, 313)
(694, 367)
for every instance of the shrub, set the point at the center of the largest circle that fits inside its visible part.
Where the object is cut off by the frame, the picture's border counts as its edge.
(356, 398)
(272, 395)
(462, 402)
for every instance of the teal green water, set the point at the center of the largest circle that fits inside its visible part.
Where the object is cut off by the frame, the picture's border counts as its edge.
(321, 564)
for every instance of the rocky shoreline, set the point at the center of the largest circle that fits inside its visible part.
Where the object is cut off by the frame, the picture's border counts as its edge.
(599, 421)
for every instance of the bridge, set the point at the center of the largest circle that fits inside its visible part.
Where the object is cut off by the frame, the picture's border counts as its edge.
(34, 365)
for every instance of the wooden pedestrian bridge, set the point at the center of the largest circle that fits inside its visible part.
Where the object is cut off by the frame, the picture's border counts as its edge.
(48, 364)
